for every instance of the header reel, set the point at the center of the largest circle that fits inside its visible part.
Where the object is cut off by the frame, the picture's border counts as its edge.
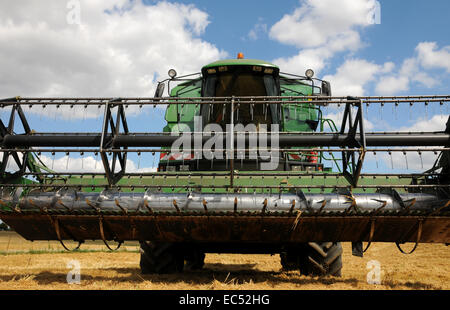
(274, 206)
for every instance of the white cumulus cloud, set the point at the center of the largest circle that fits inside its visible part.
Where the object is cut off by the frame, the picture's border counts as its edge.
(431, 57)
(317, 22)
(415, 69)
(120, 47)
(84, 164)
(353, 75)
(320, 29)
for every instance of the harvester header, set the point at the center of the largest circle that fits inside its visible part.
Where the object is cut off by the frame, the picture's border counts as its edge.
(248, 161)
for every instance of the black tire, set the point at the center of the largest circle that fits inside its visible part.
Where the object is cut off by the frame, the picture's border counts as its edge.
(160, 258)
(194, 260)
(314, 259)
(322, 259)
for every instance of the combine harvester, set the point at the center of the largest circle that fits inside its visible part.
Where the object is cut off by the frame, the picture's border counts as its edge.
(246, 166)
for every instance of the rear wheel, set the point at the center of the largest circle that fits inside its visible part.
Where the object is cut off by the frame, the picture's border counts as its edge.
(160, 258)
(315, 259)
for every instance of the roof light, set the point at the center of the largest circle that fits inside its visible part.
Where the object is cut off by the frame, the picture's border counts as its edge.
(309, 73)
(240, 56)
(172, 73)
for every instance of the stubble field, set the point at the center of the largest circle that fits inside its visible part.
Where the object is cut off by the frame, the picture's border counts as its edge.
(44, 265)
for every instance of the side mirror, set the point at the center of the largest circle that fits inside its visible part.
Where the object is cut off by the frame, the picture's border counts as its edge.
(159, 90)
(326, 88)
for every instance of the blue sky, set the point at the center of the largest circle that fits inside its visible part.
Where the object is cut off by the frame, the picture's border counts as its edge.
(122, 48)
(402, 27)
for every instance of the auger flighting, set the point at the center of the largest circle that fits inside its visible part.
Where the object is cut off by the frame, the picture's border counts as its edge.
(244, 166)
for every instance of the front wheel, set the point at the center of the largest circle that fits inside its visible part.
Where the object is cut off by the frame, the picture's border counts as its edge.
(322, 259)
(160, 258)
(314, 259)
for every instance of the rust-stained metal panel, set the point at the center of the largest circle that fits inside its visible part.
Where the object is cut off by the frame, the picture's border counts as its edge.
(231, 228)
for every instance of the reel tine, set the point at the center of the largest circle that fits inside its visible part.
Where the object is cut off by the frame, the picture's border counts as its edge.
(139, 160)
(67, 163)
(53, 160)
(366, 111)
(392, 161)
(153, 164)
(406, 159)
(410, 109)
(211, 112)
(381, 110)
(396, 109)
(421, 159)
(96, 160)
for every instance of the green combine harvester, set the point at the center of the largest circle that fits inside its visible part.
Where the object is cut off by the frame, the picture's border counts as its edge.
(245, 166)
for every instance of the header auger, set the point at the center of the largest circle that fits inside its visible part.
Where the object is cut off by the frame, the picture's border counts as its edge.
(245, 165)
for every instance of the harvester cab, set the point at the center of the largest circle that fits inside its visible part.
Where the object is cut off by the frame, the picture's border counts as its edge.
(255, 80)
(250, 161)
